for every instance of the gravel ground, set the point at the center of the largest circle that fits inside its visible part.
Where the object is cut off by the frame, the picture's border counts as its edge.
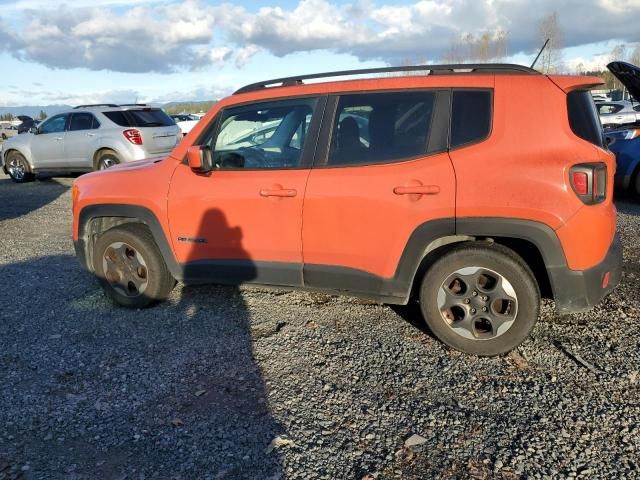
(226, 383)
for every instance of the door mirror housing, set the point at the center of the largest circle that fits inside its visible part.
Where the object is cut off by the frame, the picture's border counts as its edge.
(200, 158)
(34, 130)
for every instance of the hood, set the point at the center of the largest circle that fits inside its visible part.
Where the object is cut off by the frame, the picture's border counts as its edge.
(127, 166)
(629, 76)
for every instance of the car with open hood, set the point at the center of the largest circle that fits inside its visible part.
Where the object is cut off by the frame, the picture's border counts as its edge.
(624, 141)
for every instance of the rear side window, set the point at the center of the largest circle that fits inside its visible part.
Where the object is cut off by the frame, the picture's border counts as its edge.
(470, 116)
(583, 117)
(83, 121)
(118, 118)
(149, 117)
(381, 127)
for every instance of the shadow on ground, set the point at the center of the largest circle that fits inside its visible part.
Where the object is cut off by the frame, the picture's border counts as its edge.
(91, 390)
(17, 200)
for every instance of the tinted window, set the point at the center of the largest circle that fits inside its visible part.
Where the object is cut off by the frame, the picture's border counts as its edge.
(583, 117)
(470, 116)
(83, 121)
(263, 136)
(53, 125)
(118, 118)
(149, 117)
(381, 127)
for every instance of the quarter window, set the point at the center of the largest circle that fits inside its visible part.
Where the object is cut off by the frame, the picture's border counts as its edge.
(381, 127)
(262, 136)
(470, 116)
(53, 125)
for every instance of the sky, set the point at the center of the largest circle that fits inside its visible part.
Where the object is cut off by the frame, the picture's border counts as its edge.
(89, 51)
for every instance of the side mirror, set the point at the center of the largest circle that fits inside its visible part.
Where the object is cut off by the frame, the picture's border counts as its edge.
(199, 158)
(34, 130)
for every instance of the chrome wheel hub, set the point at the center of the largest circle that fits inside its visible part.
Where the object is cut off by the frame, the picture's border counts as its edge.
(17, 168)
(125, 269)
(106, 163)
(477, 303)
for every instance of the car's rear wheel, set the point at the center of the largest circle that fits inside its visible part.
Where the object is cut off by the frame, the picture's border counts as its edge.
(18, 168)
(130, 267)
(106, 159)
(480, 299)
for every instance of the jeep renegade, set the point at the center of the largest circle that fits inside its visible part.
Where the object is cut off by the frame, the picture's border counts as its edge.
(471, 190)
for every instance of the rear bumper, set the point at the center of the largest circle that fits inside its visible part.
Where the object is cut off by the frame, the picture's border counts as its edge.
(577, 291)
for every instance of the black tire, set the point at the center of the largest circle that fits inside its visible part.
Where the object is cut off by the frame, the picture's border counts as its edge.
(18, 167)
(634, 187)
(106, 159)
(156, 282)
(474, 331)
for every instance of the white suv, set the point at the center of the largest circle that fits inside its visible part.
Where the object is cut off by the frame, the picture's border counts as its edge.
(90, 137)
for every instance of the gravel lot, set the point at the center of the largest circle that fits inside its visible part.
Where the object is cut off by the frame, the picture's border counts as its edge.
(221, 383)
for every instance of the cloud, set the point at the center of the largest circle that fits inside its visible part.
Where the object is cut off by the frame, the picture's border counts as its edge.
(423, 29)
(163, 38)
(21, 96)
(167, 36)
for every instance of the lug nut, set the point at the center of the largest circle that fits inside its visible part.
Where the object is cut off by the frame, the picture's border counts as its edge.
(484, 309)
(485, 298)
(466, 300)
(473, 310)
(475, 294)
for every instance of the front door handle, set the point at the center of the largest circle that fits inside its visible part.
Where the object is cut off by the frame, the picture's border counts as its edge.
(91, 134)
(58, 139)
(417, 190)
(278, 192)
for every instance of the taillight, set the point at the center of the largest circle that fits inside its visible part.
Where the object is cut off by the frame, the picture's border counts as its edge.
(589, 182)
(133, 135)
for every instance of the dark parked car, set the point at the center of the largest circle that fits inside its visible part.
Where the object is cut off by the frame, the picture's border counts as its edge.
(625, 142)
(27, 123)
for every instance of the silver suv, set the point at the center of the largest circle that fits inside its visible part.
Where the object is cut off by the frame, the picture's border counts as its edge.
(90, 137)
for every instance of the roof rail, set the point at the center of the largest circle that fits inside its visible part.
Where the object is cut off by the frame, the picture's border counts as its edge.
(461, 68)
(133, 105)
(110, 105)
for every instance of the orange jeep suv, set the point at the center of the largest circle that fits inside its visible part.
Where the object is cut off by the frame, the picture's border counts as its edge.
(472, 190)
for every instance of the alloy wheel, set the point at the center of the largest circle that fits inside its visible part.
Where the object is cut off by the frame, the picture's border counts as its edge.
(477, 303)
(125, 269)
(17, 168)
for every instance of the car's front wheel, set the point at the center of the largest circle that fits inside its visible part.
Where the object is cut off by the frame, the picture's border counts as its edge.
(480, 299)
(106, 159)
(130, 267)
(18, 168)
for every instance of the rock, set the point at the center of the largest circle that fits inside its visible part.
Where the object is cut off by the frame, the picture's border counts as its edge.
(414, 441)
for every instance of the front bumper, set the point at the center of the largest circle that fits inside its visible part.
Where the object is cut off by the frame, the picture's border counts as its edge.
(577, 291)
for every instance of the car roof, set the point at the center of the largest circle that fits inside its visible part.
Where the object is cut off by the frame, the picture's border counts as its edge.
(448, 69)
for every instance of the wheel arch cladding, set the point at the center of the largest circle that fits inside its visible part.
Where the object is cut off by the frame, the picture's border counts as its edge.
(94, 219)
(536, 243)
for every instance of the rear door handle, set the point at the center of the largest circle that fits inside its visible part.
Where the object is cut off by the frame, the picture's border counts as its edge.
(278, 192)
(58, 139)
(91, 134)
(417, 190)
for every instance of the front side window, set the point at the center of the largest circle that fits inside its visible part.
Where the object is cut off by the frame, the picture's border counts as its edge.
(82, 121)
(470, 116)
(381, 127)
(609, 108)
(53, 125)
(262, 136)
